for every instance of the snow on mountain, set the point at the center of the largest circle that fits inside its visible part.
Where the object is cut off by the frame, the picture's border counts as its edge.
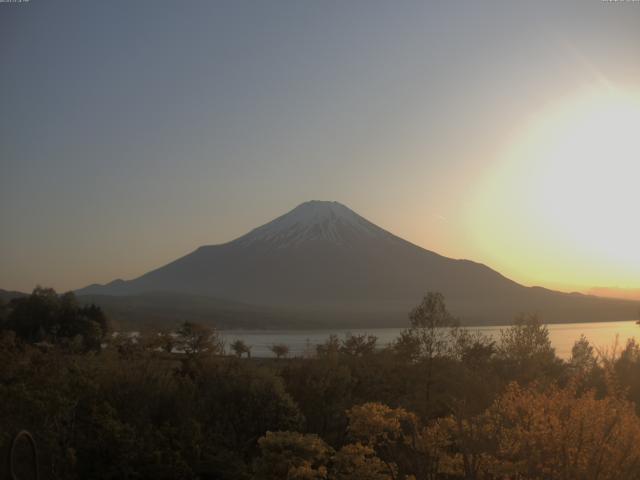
(314, 221)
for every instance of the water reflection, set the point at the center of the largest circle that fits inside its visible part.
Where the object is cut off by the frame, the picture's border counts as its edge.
(563, 335)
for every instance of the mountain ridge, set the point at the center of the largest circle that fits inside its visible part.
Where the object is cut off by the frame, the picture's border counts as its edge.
(322, 256)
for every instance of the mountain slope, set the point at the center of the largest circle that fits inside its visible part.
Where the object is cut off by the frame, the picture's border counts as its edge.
(322, 257)
(8, 295)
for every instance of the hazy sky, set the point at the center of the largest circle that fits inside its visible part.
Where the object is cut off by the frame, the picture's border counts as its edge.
(133, 132)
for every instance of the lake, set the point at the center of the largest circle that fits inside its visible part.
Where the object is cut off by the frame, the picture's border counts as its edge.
(562, 335)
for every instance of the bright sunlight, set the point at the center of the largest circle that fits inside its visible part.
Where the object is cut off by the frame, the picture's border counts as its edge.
(570, 186)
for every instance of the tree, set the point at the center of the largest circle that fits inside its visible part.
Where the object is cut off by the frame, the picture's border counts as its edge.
(330, 347)
(526, 349)
(34, 316)
(358, 345)
(95, 314)
(407, 347)
(358, 462)
(164, 341)
(239, 347)
(471, 439)
(196, 340)
(292, 456)
(297, 456)
(431, 325)
(46, 316)
(622, 371)
(397, 439)
(279, 350)
(583, 359)
(4, 312)
(429, 336)
(322, 388)
(528, 337)
(559, 434)
(473, 349)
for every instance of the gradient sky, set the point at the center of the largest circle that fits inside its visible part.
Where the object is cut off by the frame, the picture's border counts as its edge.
(133, 132)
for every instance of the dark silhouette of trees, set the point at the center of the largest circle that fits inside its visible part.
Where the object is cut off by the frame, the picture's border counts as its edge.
(525, 349)
(429, 336)
(583, 358)
(292, 456)
(4, 312)
(45, 316)
(358, 345)
(196, 343)
(280, 350)
(240, 348)
(196, 340)
(330, 347)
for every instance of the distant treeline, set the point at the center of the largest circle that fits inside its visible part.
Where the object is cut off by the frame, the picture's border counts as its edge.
(438, 403)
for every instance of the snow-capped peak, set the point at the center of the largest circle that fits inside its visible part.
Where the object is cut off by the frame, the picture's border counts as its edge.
(314, 220)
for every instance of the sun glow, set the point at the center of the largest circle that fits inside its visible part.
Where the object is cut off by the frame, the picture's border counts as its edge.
(563, 201)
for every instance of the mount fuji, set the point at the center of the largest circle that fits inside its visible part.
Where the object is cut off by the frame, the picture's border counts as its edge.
(325, 260)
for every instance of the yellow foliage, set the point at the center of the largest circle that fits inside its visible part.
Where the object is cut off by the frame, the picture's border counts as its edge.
(554, 434)
(375, 423)
(292, 456)
(558, 435)
(358, 462)
(397, 439)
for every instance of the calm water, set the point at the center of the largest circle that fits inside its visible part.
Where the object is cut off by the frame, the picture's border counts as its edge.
(562, 336)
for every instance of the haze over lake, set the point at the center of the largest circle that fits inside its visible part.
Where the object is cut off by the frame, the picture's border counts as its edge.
(601, 335)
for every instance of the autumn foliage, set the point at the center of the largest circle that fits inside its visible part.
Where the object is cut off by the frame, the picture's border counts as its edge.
(441, 403)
